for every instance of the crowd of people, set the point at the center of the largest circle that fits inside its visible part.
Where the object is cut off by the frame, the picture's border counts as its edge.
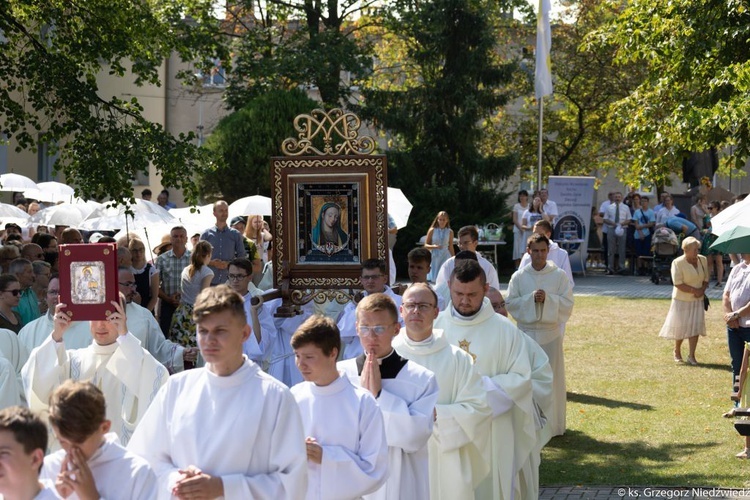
(192, 389)
(428, 392)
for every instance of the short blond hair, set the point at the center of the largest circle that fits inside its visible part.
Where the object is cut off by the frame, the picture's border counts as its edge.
(378, 302)
(216, 299)
(690, 242)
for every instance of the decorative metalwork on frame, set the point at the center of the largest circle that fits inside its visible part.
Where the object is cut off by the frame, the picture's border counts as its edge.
(337, 130)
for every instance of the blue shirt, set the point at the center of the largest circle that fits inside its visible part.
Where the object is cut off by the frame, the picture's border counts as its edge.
(228, 244)
(676, 223)
(642, 217)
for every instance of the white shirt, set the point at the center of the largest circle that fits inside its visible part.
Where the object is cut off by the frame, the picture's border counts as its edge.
(448, 266)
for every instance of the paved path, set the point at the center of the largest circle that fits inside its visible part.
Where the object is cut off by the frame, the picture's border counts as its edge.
(643, 288)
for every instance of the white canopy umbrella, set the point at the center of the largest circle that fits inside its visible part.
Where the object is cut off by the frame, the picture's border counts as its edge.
(250, 205)
(399, 207)
(731, 217)
(50, 191)
(64, 214)
(7, 211)
(143, 213)
(16, 182)
(202, 218)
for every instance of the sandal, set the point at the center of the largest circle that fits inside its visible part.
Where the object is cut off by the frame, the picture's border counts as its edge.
(729, 414)
(691, 361)
(744, 454)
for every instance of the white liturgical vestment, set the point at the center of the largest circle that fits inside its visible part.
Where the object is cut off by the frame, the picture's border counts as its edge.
(346, 422)
(118, 474)
(502, 358)
(541, 321)
(459, 446)
(126, 373)
(407, 401)
(244, 427)
(144, 327)
(77, 336)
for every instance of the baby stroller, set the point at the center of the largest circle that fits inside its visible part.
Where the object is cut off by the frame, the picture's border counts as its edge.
(664, 247)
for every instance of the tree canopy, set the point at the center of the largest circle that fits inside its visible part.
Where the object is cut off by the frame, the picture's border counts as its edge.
(53, 51)
(696, 91)
(245, 140)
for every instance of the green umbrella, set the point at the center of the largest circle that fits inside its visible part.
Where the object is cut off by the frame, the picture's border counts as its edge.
(736, 240)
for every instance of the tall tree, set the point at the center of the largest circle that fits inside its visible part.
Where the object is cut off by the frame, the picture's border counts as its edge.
(439, 80)
(244, 141)
(52, 52)
(696, 94)
(586, 83)
(293, 43)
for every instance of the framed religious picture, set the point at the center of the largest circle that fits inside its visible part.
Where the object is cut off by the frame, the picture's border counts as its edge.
(331, 218)
(88, 280)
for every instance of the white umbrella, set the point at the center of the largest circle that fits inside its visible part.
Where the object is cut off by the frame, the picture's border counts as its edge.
(202, 218)
(16, 182)
(7, 210)
(64, 214)
(50, 191)
(250, 205)
(399, 207)
(143, 213)
(730, 217)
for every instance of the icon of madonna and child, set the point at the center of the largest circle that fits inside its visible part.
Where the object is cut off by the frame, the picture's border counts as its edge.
(327, 236)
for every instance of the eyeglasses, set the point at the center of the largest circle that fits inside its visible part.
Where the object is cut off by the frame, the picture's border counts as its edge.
(237, 277)
(15, 292)
(371, 277)
(128, 284)
(366, 331)
(417, 306)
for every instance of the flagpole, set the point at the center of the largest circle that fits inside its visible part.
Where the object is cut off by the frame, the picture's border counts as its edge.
(539, 154)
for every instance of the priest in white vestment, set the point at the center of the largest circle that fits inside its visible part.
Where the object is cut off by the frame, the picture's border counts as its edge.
(33, 334)
(406, 393)
(374, 280)
(227, 429)
(541, 382)
(143, 325)
(115, 362)
(539, 299)
(347, 451)
(501, 356)
(459, 451)
(92, 463)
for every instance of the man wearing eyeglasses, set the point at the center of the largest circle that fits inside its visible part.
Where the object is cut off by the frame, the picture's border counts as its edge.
(502, 358)
(263, 333)
(468, 240)
(458, 449)
(145, 328)
(374, 280)
(406, 394)
(32, 335)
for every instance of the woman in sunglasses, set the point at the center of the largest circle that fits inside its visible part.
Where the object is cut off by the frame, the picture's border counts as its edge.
(10, 295)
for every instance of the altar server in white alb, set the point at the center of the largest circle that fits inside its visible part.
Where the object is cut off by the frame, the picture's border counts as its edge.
(556, 254)
(501, 356)
(406, 393)
(115, 362)
(459, 447)
(540, 299)
(92, 463)
(227, 429)
(347, 451)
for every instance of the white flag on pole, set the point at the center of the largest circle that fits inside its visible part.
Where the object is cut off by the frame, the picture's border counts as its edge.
(543, 77)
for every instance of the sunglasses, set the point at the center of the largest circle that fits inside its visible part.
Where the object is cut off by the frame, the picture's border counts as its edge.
(15, 293)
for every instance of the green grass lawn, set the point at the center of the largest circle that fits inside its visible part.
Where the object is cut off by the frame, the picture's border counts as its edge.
(634, 416)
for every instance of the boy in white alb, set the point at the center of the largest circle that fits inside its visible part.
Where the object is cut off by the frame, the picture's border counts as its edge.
(347, 452)
(406, 393)
(92, 463)
(228, 429)
(23, 439)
